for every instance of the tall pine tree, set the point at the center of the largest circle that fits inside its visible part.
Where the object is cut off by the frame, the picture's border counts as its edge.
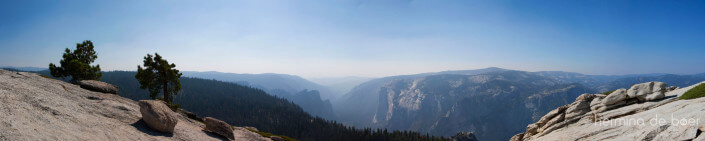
(158, 75)
(76, 64)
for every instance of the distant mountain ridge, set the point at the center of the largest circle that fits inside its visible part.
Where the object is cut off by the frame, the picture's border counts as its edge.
(340, 85)
(265, 81)
(30, 69)
(447, 102)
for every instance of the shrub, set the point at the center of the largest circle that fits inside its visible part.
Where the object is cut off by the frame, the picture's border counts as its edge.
(696, 92)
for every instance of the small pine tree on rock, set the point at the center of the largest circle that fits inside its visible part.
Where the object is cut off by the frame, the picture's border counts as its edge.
(159, 76)
(76, 64)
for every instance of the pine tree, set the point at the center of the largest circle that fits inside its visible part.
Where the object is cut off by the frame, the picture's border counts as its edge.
(158, 75)
(76, 64)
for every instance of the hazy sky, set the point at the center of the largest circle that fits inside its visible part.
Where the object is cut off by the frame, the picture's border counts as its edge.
(326, 38)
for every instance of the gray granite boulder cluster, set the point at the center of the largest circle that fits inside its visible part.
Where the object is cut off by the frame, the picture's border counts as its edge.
(649, 91)
(586, 105)
(98, 86)
(158, 116)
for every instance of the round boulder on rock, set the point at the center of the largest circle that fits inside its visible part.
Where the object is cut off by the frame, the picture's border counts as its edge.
(158, 116)
(597, 102)
(615, 97)
(219, 127)
(647, 91)
(98, 86)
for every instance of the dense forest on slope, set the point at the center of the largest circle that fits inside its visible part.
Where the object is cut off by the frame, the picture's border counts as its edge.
(245, 106)
(290, 87)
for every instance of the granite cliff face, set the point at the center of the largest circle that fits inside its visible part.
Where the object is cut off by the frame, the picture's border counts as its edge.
(359, 106)
(489, 105)
(492, 103)
(645, 111)
(38, 108)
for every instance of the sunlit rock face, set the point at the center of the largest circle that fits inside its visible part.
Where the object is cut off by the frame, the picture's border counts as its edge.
(489, 105)
(493, 103)
(646, 111)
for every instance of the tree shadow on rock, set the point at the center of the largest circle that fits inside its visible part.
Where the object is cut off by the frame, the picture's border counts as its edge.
(142, 126)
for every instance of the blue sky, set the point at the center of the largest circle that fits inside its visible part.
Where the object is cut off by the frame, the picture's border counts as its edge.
(363, 37)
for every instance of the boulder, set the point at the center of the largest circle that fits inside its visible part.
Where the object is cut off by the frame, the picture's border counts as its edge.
(553, 121)
(658, 92)
(586, 97)
(158, 116)
(614, 97)
(551, 114)
(653, 90)
(597, 102)
(602, 108)
(580, 106)
(640, 89)
(219, 127)
(577, 108)
(98, 86)
(532, 129)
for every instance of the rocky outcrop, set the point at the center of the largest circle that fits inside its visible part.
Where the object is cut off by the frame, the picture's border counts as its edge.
(618, 95)
(646, 111)
(580, 106)
(37, 108)
(158, 116)
(98, 86)
(647, 91)
(219, 127)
